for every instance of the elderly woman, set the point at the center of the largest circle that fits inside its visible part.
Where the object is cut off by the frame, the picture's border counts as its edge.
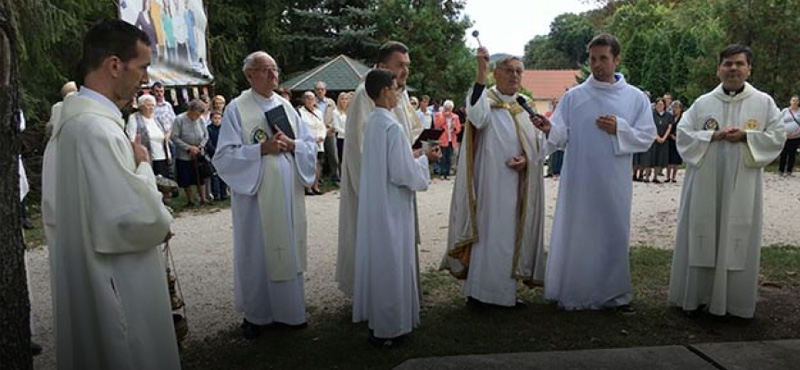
(151, 135)
(449, 123)
(675, 159)
(791, 120)
(313, 117)
(189, 134)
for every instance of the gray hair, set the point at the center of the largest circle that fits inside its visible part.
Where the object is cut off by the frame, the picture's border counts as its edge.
(68, 88)
(309, 94)
(146, 98)
(505, 61)
(249, 59)
(676, 103)
(197, 105)
(448, 104)
(324, 85)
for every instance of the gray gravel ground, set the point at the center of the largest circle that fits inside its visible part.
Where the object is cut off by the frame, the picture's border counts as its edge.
(202, 249)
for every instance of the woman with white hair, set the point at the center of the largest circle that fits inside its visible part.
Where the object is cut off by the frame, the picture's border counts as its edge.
(312, 116)
(152, 136)
(449, 122)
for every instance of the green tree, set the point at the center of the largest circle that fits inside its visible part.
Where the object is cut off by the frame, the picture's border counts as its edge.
(658, 66)
(541, 54)
(569, 33)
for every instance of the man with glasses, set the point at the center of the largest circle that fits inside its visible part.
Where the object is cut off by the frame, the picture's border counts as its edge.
(326, 105)
(267, 170)
(496, 231)
(599, 124)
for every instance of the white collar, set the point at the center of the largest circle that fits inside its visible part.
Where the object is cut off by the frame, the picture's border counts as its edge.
(100, 98)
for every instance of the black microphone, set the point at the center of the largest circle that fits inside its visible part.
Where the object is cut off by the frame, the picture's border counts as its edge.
(524, 103)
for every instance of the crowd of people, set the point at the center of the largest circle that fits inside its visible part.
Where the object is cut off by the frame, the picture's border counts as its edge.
(107, 220)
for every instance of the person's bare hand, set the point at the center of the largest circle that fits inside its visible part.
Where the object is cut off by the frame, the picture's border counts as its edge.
(433, 153)
(542, 123)
(272, 146)
(517, 163)
(736, 135)
(608, 123)
(483, 65)
(169, 236)
(287, 144)
(416, 153)
(660, 140)
(193, 150)
(719, 135)
(140, 153)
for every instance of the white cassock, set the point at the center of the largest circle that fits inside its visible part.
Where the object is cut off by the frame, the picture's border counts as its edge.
(49, 177)
(496, 229)
(268, 207)
(112, 305)
(718, 243)
(588, 267)
(386, 265)
(355, 127)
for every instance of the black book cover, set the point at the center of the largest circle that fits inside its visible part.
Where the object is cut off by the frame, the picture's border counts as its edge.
(429, 134)
(277, 118)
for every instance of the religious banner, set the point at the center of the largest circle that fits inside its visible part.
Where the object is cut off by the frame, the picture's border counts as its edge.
(177, 30)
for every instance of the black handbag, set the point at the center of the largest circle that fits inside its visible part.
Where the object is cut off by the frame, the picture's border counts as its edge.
(204, 168)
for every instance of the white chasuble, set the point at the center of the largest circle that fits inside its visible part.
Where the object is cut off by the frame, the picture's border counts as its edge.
(355, 127)
(717, 248)
(385, 292)
(268, 207)
(588, 266)
(496, 227)
(112, 308)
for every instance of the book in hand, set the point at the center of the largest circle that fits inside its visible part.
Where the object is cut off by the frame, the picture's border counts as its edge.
(277, 118)
(429, 134)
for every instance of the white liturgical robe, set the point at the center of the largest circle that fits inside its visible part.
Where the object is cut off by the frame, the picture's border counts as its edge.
(588, 267)
(355, 127)
(268, 207)
(717, 248)
(496, 228)
(110, 287)
(385, 292)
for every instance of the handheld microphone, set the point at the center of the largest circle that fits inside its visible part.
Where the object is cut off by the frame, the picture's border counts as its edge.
(524, 103)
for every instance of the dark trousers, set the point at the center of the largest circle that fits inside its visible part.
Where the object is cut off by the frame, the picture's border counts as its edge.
(339, 150)
(444, 162)
(788, 154)
(331, 157)
(219, 188)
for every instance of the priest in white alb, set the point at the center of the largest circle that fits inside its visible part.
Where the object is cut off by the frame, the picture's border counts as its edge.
(267, 171)
(393, 56)
(599, 124)
(112, 307)
(726, 139)
(386, 292)
(496, 228)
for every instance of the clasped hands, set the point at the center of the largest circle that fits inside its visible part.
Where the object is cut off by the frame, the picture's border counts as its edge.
(277, 144)
(433, 153)
(517, 163)
(731, 134)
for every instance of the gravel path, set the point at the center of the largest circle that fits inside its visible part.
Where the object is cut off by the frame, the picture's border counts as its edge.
(203, 252)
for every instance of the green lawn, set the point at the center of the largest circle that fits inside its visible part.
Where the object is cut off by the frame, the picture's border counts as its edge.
(332, 342)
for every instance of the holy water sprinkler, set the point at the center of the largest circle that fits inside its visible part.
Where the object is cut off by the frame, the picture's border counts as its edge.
(475, 34)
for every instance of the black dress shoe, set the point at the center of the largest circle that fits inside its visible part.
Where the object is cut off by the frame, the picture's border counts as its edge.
(290, 326)
(520, 304)
(316, 191)
(26, 224)
(626, 310)
(35, 348)
(309, 192)
(250, 331)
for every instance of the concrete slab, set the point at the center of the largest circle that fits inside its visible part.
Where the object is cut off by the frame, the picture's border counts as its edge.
(650, 358)
(771, 355)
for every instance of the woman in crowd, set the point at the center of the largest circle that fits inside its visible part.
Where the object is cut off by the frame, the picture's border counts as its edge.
(448, 122)
(313, 117)
(218, 104)
(557, 158)
(189, 134)
(152, 135)
(675, 159)
(659, 155)
(217, 187)
(791, 120)
(339, 118)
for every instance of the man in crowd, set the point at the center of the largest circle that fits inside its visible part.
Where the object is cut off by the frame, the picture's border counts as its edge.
(327, 106)
(393, 56)
(164, 114)
(726, 139)
(600, 123)
(496, 232)
(110, 289)
(267, 170)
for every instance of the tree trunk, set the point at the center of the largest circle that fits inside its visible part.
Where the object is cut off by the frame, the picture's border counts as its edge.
(15, 332)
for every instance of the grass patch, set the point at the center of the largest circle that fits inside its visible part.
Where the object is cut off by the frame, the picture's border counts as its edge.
(332, 342)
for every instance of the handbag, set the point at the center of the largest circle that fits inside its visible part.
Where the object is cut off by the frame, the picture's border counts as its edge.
(204, 168)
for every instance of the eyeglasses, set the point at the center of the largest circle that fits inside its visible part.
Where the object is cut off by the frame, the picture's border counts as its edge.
(518, 71)
(266, 69)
